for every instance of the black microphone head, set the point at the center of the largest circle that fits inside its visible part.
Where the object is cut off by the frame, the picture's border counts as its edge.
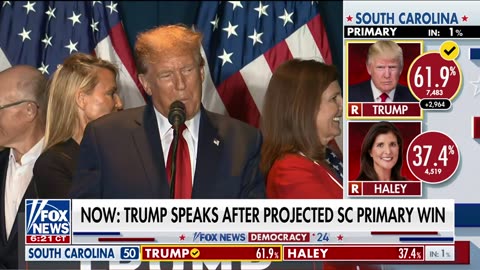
(177, 115)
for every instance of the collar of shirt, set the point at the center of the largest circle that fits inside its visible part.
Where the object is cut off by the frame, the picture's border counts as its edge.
(376, 93)
(193, 125)
(30, 156)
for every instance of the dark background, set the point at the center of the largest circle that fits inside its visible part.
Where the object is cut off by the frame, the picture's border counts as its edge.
(139, 16)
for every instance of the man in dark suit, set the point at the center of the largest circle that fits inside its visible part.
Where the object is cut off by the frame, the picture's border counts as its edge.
(384, 64)
(23, 103)
(125, 155)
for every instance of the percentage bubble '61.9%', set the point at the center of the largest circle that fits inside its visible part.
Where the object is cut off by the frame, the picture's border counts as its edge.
(431, 76)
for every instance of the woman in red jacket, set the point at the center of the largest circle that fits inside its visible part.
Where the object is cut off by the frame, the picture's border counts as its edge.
(301, 117)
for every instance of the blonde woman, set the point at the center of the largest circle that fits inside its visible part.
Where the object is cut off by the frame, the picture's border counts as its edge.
(81, 90)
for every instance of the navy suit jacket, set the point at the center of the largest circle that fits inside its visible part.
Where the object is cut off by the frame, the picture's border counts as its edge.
(121, 157)
(362, 92)
(9, 247)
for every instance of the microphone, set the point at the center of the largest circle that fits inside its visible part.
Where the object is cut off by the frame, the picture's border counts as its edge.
(176, 117)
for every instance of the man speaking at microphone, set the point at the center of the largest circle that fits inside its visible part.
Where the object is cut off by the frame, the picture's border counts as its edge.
(130, 154)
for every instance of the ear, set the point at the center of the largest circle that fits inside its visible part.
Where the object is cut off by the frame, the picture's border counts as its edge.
(80, 99)
(32, 111)
(144, 82)
(202, 69)
(369, 69)
(202, 73)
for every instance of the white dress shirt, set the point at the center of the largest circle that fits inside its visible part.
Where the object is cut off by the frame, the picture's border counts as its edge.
(376, 94)
(18, 179)
(190, 134)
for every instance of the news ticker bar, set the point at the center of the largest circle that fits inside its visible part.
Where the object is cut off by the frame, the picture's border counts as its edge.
(401, 31)
(252, 215)
(218, 253)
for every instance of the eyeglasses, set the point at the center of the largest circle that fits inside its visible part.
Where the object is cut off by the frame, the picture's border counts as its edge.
(17, 103)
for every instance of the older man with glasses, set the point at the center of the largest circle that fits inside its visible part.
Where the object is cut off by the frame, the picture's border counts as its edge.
(23, 102)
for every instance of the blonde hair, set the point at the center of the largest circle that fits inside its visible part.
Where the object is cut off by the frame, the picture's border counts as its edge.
(386, 48)
(79, 72)
(166, 40)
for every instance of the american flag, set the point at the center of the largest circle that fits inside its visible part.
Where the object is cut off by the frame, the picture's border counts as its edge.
(43, 33)
(244, 42)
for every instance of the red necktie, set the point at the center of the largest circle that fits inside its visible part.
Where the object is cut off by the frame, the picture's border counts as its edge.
(183, 174)
(383, 97)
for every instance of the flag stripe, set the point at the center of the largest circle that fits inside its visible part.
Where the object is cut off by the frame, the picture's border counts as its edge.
(237, 98)
(278, 55)
(210, 96)
(132, 97)
(4, 63)
(302, 45)
(257, 87)
(121, 46)
(320, 36)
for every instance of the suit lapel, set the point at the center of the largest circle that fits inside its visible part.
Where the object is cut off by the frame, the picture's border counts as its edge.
(3, 174)
(210, 146)
(399, 94)
(149, 148)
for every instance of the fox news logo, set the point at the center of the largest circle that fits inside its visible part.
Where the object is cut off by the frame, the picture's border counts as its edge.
(47, 217)
(219, 237)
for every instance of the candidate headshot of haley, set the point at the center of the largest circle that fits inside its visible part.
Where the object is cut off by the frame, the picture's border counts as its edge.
(384, 65)
(381, 155)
